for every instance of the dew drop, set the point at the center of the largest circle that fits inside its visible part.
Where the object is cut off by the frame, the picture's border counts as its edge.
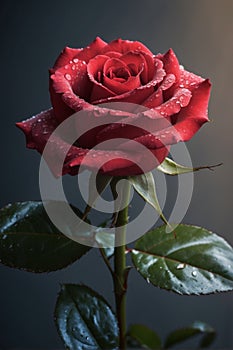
(147, 280)
(94, 155)
(75, 60)
(68, 76)
(180, 266)
(194, 273)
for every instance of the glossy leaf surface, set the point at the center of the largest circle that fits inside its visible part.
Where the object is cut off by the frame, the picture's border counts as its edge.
(190, 260)
(84, 319)
(30, 241)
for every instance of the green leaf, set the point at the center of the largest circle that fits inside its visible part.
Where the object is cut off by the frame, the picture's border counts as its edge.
(145, 336)
(29, 240)
(170, 167)
(84, 319)
(145, 186)
(190, 260)
(194, 329)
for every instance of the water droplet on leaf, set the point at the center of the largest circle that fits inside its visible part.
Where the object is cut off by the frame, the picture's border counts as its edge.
(180, 266)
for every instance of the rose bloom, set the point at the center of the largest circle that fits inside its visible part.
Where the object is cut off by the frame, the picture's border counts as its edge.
(168, 105)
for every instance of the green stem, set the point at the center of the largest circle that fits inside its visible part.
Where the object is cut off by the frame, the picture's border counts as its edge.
(120, 286)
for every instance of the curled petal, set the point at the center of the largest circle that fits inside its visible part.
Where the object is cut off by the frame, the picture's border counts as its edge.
(180, 99)
(192, 117)
(124, 46)
(94, 67)
(187, 122)
(171, 66)
(70, 78)
(94, 49)
(140, 94)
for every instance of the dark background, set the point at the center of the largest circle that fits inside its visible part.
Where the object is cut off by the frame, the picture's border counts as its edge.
(32, 35)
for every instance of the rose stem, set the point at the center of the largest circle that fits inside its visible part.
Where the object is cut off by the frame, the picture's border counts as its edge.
(120, 274)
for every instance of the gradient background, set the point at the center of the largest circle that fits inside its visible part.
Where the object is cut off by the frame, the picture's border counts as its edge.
(32, 35)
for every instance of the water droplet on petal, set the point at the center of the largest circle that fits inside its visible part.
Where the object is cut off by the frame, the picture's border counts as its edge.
(147, 280)
(75, 60)
(180, 266)
(68, 76)
(194, 273)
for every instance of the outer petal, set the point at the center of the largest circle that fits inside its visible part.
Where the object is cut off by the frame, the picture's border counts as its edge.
(94, 49)
(72, 77)
(187, 122)
(38, 130)
(65, 57)
(122, 163)
(192, 117)
(189, 80)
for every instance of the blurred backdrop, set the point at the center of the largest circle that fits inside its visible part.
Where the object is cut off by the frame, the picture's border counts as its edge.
(32, 35)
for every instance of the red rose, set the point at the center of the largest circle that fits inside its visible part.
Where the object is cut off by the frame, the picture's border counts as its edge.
(175, 102)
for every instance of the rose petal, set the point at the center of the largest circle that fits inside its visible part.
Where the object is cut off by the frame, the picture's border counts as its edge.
(71, 77)
(180, 99)
(154, 100)
(120, 163)
(192, 117)
(124, 46)
(138, 60)
(115, 84)
(171, 64)
(99, 91)
(112, 54)
(189, 80)
(38, 131)
(187, 122)
(140, 94)
(65, 57)
(136, 167)
(94, 49)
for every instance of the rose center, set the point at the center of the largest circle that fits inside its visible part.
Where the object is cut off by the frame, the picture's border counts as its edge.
(120, 74)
